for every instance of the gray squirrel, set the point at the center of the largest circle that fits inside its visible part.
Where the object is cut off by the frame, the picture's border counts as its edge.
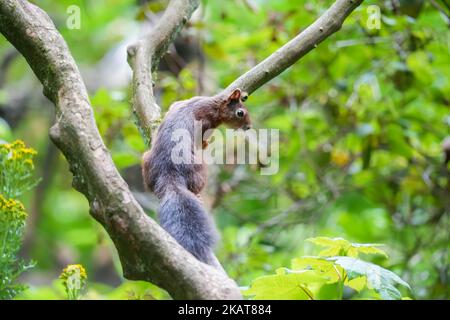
(178, 185)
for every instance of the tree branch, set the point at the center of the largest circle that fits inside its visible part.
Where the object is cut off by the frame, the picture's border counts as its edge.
(330, 22)
(146, 251)
(144, 57)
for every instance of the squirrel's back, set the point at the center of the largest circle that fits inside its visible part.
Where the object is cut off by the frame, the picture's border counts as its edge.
(158, 168)
(178, 185)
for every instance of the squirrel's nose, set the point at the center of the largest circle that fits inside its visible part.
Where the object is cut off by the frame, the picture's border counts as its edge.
(247, 126)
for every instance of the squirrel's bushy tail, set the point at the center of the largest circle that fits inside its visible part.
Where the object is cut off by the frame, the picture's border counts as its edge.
(182, 215)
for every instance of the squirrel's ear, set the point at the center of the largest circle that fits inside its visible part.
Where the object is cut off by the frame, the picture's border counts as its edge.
(234, 96)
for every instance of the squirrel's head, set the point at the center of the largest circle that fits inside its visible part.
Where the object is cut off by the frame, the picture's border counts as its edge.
(233, 112)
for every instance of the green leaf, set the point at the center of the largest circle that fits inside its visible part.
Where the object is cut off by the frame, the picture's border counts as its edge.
(324, 267)
(357, 284)
(379, 279)
(329, 242)
(341, 247)
(419, 63)
(285, 285)
(335, 246)
(311, 262)
(366, 248)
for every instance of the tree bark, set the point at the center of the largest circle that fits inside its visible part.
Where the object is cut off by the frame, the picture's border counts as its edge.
(144, 57)
(146, 251)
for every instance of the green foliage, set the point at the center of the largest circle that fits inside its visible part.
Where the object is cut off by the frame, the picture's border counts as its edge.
(128, 290)
(286, 285)
(342, 247)
(16, 167)
(382, 281)
(326, 276)
(74, 280)
(136, 290)
(12, 222)
(5, 130)
(116, 124)
(362, 118)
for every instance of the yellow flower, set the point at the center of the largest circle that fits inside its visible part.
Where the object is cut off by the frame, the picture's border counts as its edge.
(5, 147)
(11, 210)
(72, 269)
(340, 158)
(74, 278)
(28, 151)
(16, 152)
(18, 144)
(16, 155)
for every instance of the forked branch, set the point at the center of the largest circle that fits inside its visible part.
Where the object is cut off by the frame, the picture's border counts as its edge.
(146, 251)
(144, 57)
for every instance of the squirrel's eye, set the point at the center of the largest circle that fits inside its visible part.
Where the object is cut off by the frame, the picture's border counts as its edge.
(240, 113)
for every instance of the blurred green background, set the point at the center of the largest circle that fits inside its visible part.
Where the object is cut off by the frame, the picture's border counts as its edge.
(362, 121)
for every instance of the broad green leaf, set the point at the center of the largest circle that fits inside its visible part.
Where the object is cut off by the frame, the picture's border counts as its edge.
(332, 251)
(379, 279)
(285, 285)
(329, 242)
(341, 247)
(317, 263)
(368, 248)
(357, 283)
(330, 291)
(324, 267)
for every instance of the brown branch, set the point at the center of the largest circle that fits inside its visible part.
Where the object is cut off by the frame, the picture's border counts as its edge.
(144, 57)
(146, 251)
(330, 22)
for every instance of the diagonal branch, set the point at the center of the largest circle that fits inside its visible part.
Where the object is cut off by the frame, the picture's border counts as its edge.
(146, 251)
(330, 22)
(144, 57)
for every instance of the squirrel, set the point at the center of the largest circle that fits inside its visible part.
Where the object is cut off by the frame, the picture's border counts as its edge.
(178, 186)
